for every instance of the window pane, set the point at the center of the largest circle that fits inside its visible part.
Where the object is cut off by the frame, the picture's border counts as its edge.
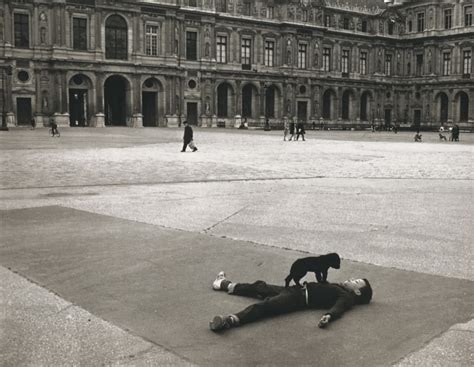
(80, 33)
(191, 46)
(22, 32)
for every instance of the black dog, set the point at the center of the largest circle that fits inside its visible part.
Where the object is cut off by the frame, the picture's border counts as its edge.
(442, 137)
(319, 265)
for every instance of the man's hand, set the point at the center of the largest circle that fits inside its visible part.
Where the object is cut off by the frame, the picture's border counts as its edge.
(324, 321)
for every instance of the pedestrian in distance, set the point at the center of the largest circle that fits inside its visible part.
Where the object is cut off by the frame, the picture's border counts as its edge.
(285, 129)
(300, 130)
(292, 130)
(188, 138)
(33, 123)
(417, 136)
(455, 133)
(54, 129)
(277, 300)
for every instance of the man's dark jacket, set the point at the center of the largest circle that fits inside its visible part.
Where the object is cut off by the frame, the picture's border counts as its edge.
(188, 133)
(330, 295)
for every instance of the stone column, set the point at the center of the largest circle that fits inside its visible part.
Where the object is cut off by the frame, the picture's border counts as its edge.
(137, 117)
(100, 116)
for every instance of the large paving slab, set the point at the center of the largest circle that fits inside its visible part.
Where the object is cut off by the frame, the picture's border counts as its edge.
(155, 282)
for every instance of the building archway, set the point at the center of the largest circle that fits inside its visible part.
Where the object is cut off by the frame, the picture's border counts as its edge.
(329, 97)
(116, 38)
(346, 104)
(117, 101)
(442, 101)
(365, 101)
(272, 98)
(249, 101)
(80, 89)
(152, 103)
(225, 95)
(462, 101)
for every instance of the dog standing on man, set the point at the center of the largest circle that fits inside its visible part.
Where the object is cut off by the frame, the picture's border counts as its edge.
(317, 264)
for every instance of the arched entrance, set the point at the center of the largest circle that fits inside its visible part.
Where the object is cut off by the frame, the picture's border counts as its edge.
(80, 87)
(249, 101)
(346, 105)
(270, 95)
(116, 104)
(225, 94)
(151, 93)
(462, 100)
(443, 106)
(364, 106)
(328, 104)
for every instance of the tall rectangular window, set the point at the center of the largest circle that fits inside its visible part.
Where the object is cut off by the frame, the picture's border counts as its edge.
(222, 49)
(222, 6)
(192, 3)
(245, 55)
(305, 15)
(302, 47)
(270, 12)
(151, 40)
(388, 64)
(327, 20)
(421, 21)
(79, 33)
(446, 63)
(345, 61)
(466, 65)
(22, 31)
(468, 16)
(363, 62)
(191, 46)
(448, 19)
(247, 8)
(345, 23)
(269, 51)
(327, 59)
(419, 65)
(364, 26)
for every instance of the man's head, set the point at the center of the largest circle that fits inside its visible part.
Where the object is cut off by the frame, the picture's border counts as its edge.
(185, 122)
(362, 289)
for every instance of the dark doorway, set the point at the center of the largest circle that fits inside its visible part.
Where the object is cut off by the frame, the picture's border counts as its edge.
(23, 111)
(388, 118)
(302, 110)
(327, 104)
(363, 107)
(270, 102)
(346, 98)
(222, 96)
(115, 101)
(443, 111)
(247, 101)
(417, 118)
(77, 107)
(149, 109)
(463, 107)
(192, 113)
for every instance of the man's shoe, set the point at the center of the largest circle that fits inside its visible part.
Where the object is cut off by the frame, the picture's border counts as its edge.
(222, 323)
(195, 149)
(182, 151)
(217, 285)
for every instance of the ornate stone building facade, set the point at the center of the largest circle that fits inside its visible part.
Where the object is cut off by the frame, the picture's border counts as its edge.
(341, 63)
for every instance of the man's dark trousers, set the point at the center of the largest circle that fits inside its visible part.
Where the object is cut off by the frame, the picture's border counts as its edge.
(276, 300)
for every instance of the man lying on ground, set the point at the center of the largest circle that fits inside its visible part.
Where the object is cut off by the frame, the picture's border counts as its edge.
(277, 300)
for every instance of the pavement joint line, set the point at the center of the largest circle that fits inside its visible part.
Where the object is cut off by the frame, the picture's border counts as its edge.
(223, 220)
(236, 180)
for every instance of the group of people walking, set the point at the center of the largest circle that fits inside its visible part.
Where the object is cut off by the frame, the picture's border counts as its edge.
(293, 128)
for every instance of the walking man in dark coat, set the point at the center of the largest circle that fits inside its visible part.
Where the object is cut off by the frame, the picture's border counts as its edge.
(188, 137)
